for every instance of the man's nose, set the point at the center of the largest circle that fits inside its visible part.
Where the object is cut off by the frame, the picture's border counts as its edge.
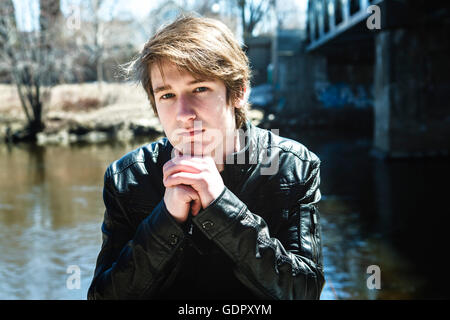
(184, 109)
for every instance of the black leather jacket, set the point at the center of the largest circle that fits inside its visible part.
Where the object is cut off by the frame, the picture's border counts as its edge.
(260, 239)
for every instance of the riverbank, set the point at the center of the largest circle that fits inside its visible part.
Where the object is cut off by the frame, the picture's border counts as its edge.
(88, 113)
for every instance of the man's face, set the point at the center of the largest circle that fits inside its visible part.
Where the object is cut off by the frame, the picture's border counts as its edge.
(194, 112)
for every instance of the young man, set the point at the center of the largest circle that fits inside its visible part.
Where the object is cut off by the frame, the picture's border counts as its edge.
(219, 208)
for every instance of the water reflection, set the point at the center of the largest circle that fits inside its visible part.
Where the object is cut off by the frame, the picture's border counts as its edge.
(384, 213)
(51, 210)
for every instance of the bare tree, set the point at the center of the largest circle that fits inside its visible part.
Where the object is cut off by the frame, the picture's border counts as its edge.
(97, 34)
(7, 22)
(252, 12)
(33, 62)
(49, 14)
(98, 45)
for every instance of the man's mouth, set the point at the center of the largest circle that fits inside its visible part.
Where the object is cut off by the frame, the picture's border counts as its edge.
(191, 133)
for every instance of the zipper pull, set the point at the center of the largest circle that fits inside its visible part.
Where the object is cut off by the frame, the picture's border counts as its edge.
(191, 227)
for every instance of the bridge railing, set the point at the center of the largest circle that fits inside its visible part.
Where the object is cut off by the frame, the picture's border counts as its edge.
(328, 18)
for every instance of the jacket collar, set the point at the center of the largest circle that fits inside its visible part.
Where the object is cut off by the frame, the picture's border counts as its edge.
(238, 163)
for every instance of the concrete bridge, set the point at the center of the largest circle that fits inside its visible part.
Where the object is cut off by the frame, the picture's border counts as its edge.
(408, 51)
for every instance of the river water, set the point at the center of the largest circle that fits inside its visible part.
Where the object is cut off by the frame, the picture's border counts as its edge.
(373, 213)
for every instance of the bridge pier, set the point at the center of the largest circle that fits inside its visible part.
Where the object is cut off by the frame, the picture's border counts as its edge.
(409, 52)
(411, 89)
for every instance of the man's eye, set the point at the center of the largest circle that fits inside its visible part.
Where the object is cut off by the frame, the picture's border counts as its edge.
(167, 96)
(201, 89)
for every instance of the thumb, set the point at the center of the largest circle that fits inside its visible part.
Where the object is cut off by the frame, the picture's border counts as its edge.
(196, 205)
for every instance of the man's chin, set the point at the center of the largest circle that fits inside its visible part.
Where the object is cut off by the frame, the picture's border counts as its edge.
(196, 149)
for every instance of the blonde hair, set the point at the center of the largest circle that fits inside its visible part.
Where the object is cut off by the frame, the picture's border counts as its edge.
(204, 47)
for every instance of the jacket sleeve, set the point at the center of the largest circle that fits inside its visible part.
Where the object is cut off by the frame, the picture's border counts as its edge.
(284, 266)
(134, 263)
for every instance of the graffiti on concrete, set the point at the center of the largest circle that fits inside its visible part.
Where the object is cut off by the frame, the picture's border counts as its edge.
(336, 95)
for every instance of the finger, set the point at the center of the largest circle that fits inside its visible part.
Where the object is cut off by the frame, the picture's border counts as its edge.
(198, 164)
(195, 207)
(195, 202)
(171, 162)
(174, 155)
(177, 152)
(192, 179)
(174, 168)
(185, 159)
(183, 165)
(189, 194)
(190, 159)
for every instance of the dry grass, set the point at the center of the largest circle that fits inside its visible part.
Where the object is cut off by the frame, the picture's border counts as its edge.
(90, 96)
(81, 99)
(9, 103)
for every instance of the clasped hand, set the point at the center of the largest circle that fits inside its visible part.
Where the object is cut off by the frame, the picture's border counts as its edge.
(192, 183)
